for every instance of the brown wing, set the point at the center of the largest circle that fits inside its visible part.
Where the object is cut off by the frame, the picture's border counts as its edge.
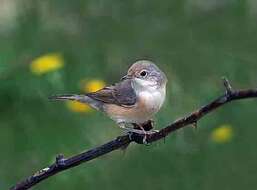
(121, 93)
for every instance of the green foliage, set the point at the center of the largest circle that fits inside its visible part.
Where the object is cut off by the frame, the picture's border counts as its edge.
(194, 42)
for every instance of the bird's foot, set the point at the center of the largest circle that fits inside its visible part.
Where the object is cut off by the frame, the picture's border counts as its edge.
(140, 130)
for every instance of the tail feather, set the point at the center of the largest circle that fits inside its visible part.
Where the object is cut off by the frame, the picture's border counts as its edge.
(67, 97)
(80, 98)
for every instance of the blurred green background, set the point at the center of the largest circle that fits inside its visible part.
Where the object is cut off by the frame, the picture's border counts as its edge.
(195, 42)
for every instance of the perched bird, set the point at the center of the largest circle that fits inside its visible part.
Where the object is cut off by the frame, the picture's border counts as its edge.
(132, 101)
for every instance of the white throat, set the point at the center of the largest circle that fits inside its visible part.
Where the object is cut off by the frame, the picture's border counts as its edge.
(153, 94)
(144, 85)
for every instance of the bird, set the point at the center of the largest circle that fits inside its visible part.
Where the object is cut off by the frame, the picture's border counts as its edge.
(133, 101)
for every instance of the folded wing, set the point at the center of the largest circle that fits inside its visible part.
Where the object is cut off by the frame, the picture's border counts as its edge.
(121, 93)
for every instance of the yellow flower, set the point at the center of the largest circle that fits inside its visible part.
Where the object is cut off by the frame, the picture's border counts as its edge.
(46, 63)
(92, 85)
(78, 106)
(222, 134)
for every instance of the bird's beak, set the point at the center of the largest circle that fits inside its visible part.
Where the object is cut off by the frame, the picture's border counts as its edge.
(126, 77)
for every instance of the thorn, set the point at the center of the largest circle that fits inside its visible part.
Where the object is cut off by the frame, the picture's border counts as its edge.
(60, 160)
(227, 85)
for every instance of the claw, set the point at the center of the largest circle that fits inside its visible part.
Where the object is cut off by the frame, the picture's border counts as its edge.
(130, 135)
(145, 141)
(140, 131)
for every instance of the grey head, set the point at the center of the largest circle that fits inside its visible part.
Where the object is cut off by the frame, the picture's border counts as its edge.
(147, 73)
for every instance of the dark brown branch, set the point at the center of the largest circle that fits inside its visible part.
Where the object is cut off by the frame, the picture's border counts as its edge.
(122, 141)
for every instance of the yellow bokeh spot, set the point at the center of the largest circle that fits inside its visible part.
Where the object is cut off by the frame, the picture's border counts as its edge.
(46, 63)
(222, 134)
(78, 106)
(92, 85)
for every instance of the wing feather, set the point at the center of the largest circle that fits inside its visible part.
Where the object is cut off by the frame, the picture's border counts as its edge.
(121, 93)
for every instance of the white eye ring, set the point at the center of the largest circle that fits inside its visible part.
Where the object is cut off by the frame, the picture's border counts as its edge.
(143, 73)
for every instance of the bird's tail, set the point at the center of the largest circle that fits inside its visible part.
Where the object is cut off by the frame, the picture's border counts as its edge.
(80, 98)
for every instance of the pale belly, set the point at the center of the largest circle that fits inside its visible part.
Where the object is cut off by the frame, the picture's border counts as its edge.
(147, 105)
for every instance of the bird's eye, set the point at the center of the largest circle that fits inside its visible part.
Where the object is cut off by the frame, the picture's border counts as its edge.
(143, 73)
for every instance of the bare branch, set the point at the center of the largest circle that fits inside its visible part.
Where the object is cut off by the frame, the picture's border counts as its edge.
(62, 164)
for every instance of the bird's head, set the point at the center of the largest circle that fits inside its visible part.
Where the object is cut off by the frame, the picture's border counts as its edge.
(145, 74)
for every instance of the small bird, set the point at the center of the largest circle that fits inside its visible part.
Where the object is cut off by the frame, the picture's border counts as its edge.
(132, 101)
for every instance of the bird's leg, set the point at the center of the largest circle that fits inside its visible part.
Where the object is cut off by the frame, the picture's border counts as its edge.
(152, 122)
(148, 126)
(122, 125)
(145, 135)
(140, 129)
(146, 129)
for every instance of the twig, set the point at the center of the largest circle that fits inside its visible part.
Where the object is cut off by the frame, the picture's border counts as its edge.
(227, 85)
(62, 164)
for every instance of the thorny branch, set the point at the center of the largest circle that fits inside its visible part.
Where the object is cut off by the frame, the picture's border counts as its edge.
(62, 163)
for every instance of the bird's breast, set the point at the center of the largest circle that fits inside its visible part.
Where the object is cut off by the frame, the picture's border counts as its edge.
(148, 103)
(151, 102)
